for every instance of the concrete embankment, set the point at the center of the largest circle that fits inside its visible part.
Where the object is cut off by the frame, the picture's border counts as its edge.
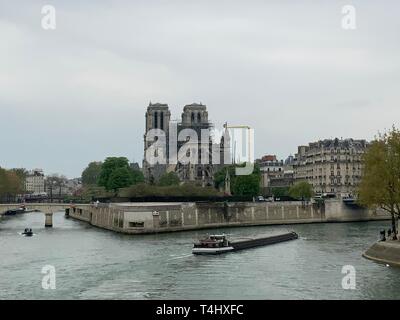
(385, 252)
(136, 218)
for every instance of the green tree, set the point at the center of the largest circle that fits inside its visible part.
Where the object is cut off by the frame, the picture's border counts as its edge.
(246, 185)
(137, 176)
(169, 179)
(88, 193)
(91, 174)
(107, 168)
(10, 184)
(219, 176)
(301, 191)
(380, 183)
(21, 173)
(120, 178)
(278, 192)
(185, 190)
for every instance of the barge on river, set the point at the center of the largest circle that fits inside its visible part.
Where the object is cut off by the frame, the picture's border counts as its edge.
(214, 244)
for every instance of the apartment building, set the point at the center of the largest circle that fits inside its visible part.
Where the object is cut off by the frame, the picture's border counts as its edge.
(275, 173)
(331, 165)
(34, 182)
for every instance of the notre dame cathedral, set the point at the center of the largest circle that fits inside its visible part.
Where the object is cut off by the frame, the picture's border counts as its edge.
(195, 117)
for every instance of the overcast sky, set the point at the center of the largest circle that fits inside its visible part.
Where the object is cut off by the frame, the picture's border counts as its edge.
(287, 68)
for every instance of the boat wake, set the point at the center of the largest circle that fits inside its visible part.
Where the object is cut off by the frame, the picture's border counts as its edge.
(27, 232)
(25, 235)
(180, 257)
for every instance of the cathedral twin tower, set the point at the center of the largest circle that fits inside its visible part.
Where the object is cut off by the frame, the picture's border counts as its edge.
(195, 117)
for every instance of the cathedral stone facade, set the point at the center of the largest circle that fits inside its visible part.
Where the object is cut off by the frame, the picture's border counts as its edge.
(194, 117)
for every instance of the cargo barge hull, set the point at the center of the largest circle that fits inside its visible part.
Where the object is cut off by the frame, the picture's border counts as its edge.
(216, 244)
(257, 242)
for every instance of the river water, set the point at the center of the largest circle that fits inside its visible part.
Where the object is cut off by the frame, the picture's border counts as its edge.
(92, 263)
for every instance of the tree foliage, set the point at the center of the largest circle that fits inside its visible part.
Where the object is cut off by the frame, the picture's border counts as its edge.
(247, 185)
(380, 183)
(137, 176)
(115, 173)
(21, 173)
(184, 190)
(241, 185)
(278, 192)
(54, 183)
(56, 179)
(301, 191)
(111, 164)
(169, 179)
(120, 178)
(11, 184)
(219, 176)
(91, 174)
(88, 193)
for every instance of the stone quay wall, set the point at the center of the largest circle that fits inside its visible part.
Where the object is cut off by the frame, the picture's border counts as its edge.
(385, 252)
(137, 218)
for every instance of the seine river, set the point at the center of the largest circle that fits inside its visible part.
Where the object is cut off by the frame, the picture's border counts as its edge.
(91, 263)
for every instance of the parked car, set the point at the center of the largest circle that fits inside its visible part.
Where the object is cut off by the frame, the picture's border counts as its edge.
(260, 199)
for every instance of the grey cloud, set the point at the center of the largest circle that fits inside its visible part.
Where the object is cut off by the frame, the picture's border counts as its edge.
(286, 68)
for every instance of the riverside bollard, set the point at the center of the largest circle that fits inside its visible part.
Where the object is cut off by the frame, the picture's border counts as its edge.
(49, 219)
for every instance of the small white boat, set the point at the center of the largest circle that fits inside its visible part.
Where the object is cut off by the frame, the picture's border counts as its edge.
(27, 232)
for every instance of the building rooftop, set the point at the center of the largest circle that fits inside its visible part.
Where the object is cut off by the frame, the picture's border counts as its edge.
(157, 105)
(339, 143)
(269, 157)
(194, 106)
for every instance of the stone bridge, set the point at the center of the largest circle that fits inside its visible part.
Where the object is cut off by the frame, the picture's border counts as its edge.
(42, 207)
(47, 208)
